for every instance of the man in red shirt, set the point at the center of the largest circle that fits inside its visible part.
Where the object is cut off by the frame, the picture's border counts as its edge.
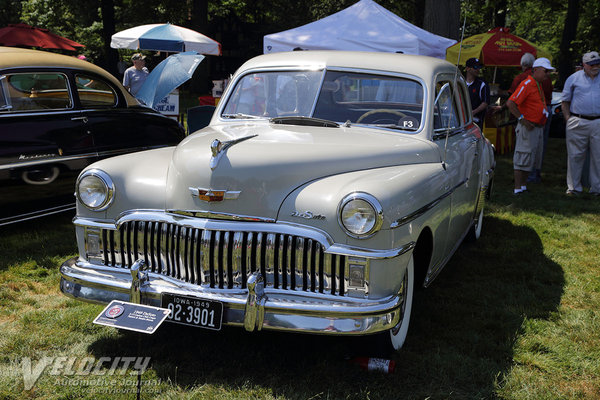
(526, 63)
(528, 104)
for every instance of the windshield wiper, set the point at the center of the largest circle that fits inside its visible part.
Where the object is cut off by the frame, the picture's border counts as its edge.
(305, 121)
(240, 116)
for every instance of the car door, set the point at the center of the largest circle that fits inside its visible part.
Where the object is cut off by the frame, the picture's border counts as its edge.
(458, 146)
(43, 142)
(116, 128)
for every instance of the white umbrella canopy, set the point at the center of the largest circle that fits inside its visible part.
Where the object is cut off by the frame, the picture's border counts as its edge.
(165, 37)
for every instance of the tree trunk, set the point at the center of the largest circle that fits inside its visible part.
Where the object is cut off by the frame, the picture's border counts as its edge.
(442, 17)
(108, 22)
(566, 56)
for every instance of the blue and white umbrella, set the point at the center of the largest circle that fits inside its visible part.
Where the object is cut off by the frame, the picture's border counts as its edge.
(168, 75)
(165, 37)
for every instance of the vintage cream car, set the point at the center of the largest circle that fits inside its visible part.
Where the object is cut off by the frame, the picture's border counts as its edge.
(327, 185)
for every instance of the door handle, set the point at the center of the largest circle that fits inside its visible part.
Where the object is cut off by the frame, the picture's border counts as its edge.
(82, 119)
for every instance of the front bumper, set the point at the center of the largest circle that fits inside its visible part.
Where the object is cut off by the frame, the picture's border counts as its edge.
(254, 308)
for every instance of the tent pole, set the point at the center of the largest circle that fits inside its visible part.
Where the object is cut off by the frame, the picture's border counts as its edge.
(495, 69)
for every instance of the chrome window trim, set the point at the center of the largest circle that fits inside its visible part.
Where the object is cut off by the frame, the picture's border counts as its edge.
(279, 227)
(59, 71)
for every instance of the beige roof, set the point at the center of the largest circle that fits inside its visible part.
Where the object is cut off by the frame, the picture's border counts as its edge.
(12, 57)
(389, 62)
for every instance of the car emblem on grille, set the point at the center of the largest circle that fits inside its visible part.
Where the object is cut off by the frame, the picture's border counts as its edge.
(212, 195)
(218, 148)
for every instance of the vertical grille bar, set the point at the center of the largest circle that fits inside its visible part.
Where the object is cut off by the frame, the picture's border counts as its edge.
(298, 271)
(306, 267)
(249, 255)
(342, 275)
(198, 256)
(258, 261)
(152, 256)
(287, 262)
(226, 260)
(269, 260)
(280, 269)
(236, 258)
(205, 257)
(313, 265)
(181, 254)
(321, 267)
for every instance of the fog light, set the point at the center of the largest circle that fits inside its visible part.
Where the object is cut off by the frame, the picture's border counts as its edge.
(357, 275)
(92, 246)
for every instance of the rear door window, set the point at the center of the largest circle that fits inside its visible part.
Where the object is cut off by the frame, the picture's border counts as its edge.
(94, 92)
(32, 91)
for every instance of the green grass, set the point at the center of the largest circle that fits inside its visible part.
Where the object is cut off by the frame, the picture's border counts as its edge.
(513, 316)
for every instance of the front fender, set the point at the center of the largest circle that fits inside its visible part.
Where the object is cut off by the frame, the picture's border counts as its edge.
(401, 191)
(140, 181)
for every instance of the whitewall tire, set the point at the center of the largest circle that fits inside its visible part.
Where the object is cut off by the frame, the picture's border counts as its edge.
(397, 335)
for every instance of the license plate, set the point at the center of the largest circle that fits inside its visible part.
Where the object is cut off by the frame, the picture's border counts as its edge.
(193, 311)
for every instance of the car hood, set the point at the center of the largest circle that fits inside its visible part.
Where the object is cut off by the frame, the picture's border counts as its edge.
(269, 161)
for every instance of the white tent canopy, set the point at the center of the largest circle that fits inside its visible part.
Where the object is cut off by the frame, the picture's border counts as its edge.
(364, 26)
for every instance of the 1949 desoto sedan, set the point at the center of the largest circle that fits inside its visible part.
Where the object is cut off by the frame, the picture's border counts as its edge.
(327, 185)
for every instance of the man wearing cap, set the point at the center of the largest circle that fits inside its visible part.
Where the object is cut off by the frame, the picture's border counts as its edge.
(528, 104)
(135, 76)
(581, 109)
(479, 91)
(527, 61)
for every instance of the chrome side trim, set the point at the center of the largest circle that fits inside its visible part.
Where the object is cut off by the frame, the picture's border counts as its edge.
(36, 214)
(416, 214)
(53, 160)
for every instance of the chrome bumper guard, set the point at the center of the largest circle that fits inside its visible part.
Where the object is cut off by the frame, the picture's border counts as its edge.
(254, 308)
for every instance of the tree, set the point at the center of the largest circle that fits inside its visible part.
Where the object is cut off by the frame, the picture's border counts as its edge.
(442, 17)
(568, 35)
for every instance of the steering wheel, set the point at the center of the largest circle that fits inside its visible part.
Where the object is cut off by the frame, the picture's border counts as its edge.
(380, 110)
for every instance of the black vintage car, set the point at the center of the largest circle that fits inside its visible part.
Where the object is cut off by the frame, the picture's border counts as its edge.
(59, 114)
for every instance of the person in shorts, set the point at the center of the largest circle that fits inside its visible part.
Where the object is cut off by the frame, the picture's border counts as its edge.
(528, 104)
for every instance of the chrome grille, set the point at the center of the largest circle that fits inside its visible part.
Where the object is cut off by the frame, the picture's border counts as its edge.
(223, 259)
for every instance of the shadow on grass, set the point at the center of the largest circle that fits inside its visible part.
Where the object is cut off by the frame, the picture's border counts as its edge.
(460, 342)
(547, 198)
(38, 240)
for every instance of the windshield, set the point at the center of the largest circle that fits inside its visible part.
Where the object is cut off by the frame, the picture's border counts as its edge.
(340, 96)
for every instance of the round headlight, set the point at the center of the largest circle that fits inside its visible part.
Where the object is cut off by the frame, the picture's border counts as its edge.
(360, 214)
(95, 189)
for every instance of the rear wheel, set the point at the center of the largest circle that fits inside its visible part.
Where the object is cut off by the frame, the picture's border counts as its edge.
(475, 231)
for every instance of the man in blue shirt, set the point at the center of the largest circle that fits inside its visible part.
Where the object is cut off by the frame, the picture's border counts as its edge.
(581, 109)
(135, 76)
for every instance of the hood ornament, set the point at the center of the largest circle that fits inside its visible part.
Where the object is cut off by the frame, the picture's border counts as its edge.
(218, 148)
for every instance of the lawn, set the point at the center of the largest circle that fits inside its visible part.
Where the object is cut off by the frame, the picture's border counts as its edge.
(513, 316)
